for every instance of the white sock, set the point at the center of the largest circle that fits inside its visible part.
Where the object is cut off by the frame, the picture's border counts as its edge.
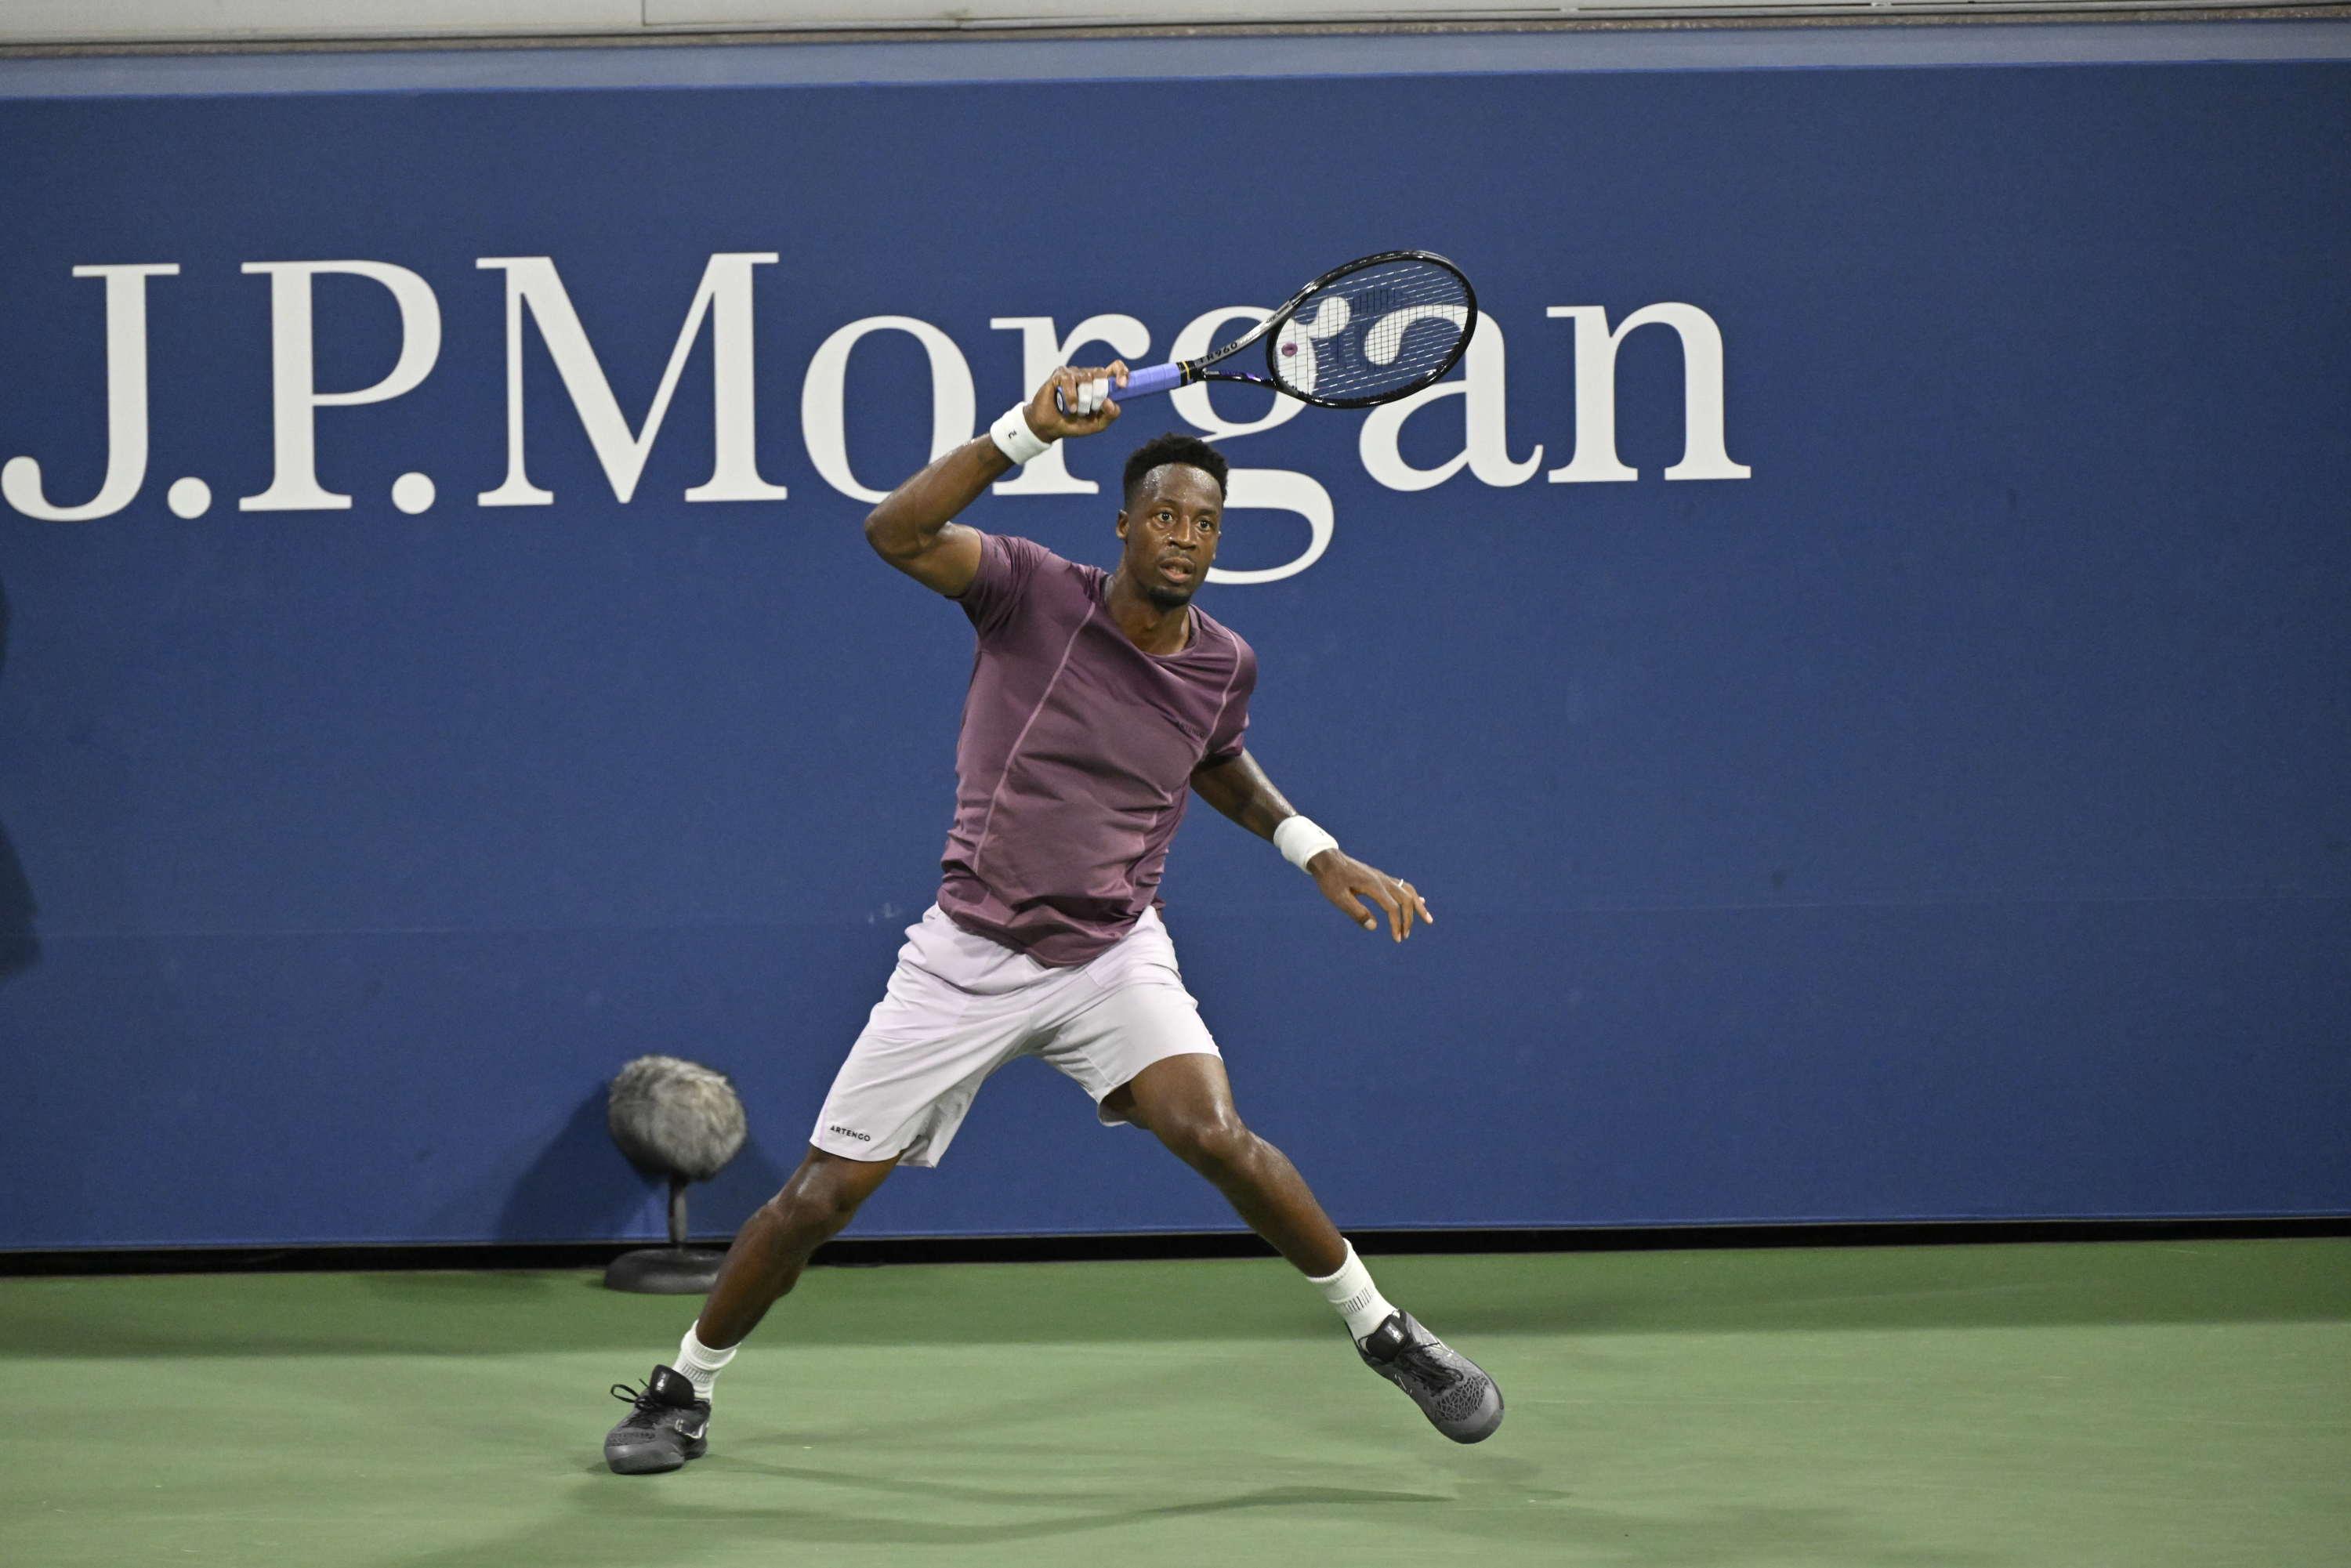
(1351, 1290)
(699, 1365)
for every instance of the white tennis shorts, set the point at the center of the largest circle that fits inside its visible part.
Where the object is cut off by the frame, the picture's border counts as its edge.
(960, 1006)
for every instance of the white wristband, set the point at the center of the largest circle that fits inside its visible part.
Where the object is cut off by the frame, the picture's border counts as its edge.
(1299, 840)
(1014, 438)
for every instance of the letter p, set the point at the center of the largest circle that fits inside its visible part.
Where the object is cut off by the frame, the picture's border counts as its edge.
(295, 399)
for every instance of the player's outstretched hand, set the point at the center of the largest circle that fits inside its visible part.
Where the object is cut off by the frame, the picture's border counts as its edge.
(1086, 395)
(1341, 877)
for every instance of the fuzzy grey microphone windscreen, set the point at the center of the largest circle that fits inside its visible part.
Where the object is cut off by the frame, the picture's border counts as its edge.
(674, 1117)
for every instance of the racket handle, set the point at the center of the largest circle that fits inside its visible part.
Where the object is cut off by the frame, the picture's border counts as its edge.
(1154, 378)
(1140, 383)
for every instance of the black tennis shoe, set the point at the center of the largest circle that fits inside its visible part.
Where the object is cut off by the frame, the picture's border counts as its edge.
(1451, 1390)
(668, 1426)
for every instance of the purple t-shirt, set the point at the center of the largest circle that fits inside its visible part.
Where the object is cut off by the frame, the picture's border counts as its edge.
(1076, 756)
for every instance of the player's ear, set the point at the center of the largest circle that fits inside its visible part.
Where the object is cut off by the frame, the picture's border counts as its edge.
(1122, 525)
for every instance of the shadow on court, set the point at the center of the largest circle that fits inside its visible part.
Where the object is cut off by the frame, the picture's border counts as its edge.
(609, 1515)
(446, 1313)
(985, 1494)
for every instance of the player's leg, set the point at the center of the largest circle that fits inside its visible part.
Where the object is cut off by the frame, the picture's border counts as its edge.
(957, 1009)
(669, 1418)
(1186, 1103)
(769, 1253)
(1138, 1046)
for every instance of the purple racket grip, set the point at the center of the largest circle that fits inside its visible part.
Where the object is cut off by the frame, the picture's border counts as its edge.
(1140, 383)
(1144, 383)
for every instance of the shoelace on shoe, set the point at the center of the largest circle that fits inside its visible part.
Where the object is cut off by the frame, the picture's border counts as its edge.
(1420, 1360)
(648, 1408)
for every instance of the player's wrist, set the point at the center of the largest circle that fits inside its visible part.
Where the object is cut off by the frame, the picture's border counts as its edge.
(1300, 838)
(1016, 437)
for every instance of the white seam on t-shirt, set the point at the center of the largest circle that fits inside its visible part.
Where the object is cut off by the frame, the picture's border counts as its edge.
(979, 844)
(1224, 701)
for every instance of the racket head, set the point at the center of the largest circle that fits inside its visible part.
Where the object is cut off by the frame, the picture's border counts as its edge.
(1378, 329)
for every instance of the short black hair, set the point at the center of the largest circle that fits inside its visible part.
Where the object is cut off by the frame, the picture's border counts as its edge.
(1173, 447)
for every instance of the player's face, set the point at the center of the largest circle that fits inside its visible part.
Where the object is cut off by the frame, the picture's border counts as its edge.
(1171, 532)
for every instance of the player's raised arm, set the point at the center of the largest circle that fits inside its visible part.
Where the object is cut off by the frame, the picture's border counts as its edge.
(1238, 787)
(914, 528)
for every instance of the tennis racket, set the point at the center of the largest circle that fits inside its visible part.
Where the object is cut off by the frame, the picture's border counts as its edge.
(1375, 329)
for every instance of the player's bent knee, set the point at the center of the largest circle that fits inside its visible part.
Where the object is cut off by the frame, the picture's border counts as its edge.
(814, 1210)
(832, 1209)
(1220, 1143)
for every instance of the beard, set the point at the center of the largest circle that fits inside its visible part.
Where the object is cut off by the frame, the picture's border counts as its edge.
(1169, 598)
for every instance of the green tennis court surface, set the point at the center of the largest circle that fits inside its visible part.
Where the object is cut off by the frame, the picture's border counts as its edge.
(2065, 1404)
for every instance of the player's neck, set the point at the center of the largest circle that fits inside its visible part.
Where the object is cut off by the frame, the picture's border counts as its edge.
(1148, 626)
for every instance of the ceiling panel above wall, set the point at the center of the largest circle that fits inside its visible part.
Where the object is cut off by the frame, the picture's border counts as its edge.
(103, 22)
(1064, 13)
(167, 21)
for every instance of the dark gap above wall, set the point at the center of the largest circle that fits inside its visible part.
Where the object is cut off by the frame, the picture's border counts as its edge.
(854, 1252)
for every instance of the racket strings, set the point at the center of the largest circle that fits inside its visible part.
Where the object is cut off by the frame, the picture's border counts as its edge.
(1374, 332)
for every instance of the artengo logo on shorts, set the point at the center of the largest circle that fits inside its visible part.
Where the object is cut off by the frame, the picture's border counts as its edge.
(536, 298)
(860, 1137)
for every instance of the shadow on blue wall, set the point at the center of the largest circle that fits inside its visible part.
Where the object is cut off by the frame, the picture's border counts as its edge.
(20, 945)
(580, 1186)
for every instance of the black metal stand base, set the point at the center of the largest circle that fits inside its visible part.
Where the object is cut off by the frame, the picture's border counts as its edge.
(665, 1272)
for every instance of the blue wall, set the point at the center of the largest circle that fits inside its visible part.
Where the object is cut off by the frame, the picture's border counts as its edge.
(1948, 819)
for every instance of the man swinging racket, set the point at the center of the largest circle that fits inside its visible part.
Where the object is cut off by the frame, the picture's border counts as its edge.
(1097, 701)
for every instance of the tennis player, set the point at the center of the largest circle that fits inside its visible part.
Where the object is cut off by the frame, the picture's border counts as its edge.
(1098, 700)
